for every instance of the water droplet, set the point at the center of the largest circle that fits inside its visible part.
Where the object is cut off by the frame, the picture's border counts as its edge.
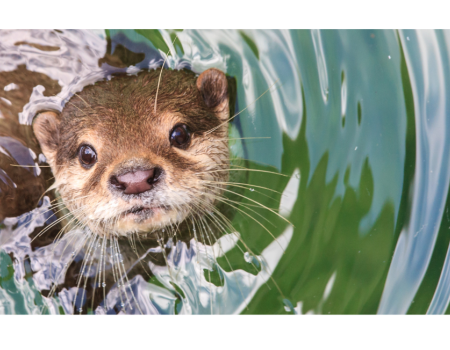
(122, 305)
(248, 258)
(73, 253)
(407, 38)
(287, 308)
(103, 284)
(252, 189)
(80, 309)
(163, 230)
(389, 57)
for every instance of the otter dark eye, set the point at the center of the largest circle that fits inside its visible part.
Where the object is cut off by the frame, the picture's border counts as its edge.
(180, 136)
(87, 156)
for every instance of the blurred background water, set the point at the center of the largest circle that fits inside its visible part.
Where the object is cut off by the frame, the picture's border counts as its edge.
(357, 120)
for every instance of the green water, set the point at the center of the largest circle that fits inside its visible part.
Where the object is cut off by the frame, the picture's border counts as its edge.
(361, 117)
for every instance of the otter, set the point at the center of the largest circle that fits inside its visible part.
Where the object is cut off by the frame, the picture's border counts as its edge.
(135, 157)
(132, 155)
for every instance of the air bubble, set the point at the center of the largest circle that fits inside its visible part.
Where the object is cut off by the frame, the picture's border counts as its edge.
(407, 38)
(389, 57)
(80, 309)
(122, 305)
(103, 284)
(252, 189)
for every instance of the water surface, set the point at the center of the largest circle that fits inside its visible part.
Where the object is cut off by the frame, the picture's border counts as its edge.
(356, 119)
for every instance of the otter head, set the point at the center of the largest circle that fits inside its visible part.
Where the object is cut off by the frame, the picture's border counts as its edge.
(129, 159)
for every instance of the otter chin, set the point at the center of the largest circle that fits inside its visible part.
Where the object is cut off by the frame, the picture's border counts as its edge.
(135, 154)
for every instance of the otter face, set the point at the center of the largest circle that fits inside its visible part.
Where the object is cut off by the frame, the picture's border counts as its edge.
(126, 161)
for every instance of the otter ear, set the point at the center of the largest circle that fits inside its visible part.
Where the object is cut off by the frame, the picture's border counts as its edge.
(213, 85)
(46, 130)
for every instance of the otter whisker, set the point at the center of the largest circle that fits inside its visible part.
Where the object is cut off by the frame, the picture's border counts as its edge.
(228, 261)
(58, 241)
(64, 270)
(228, 224)
(77, 108)
(246, 206)
(255, 205)
(86, 277)
(99, 263)
(82, 99)
(160, 73)
(116, 274)
(120, 275)
(264, 227)
(50, 208)
(232, 230)
(83, 267)
(231, 118)
(104, 272)
(140, 241)
(246, 159)
(163, 250)
(240, 138)
(244, 184)
(255, 170)
(134, 248)
(30, 166)
(195, 235)
(209, 272)
(250, 251)
(52, 225)
(128, 282)
(252, 200)
(220, 246)
(58, 220)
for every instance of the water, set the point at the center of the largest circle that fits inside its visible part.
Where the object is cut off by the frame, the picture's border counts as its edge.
(357, 121)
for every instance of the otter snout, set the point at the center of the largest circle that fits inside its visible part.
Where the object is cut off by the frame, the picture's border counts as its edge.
(136, 182)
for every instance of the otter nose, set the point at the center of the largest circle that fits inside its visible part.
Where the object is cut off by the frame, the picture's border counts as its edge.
(135, 182)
